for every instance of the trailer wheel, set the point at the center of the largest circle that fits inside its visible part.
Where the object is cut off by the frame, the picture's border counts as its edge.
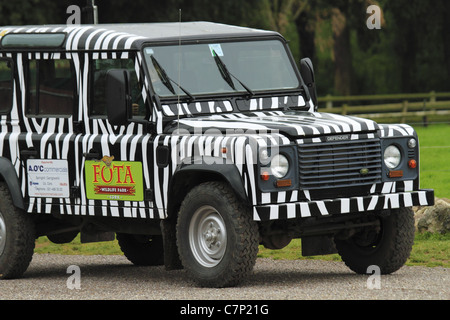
(216, 237)
(389, 248)
(17, 237)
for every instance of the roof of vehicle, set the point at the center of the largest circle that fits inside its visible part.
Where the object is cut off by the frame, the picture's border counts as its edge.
(129, 36)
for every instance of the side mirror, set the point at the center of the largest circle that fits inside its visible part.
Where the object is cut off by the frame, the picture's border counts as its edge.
(307, 73)
(118, 99)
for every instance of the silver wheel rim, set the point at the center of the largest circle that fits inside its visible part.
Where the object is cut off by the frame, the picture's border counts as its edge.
(2, 234)
(207, 236)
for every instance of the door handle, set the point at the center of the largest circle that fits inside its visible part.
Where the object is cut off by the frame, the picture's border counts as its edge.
(91, 155)
(29, 153)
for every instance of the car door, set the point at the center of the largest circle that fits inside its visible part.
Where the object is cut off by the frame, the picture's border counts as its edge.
(47, 136)
(112, 171)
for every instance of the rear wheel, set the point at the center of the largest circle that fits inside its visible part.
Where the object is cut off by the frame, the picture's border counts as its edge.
(388, 248)
(216, 237)
(17, 237)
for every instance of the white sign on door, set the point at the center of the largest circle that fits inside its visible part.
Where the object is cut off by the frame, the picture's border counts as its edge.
(48, 178)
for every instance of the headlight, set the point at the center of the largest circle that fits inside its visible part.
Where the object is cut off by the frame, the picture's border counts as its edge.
(279, 166)
(392, 157)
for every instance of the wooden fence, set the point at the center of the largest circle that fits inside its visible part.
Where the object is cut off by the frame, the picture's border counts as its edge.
(423, 108)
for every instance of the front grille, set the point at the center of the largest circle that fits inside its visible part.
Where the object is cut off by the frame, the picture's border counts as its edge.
(339, 164)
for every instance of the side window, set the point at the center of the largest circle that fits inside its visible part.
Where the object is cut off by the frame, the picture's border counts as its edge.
(98, 87)
(51, 87)
(6, 86)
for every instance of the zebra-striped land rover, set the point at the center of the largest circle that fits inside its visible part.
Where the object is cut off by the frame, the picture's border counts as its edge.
(192, 144)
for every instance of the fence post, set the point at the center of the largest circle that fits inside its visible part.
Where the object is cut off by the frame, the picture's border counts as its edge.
(344, 109)
(404, 110)
(432, 96)
(329, 104)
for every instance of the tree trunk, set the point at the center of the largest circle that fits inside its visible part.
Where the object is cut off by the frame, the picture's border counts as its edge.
(342, 53)
(446, 40)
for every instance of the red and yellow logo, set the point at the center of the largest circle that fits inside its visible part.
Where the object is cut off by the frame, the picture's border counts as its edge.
(114, 180)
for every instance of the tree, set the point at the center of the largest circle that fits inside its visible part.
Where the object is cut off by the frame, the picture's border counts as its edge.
(409, 54)
(282, 13)
(342, 53)
(19, 12)
(421, 44)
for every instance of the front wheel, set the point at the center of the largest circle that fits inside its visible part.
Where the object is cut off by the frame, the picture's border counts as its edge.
(17, 236)
(388, 248)
(216, 237)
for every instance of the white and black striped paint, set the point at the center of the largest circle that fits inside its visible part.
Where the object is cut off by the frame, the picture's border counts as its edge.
(241, 124)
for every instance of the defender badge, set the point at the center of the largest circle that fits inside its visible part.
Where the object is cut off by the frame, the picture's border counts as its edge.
(342, 137)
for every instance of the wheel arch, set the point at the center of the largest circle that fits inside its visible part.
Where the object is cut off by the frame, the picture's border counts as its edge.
(8, 175)
(188, 176)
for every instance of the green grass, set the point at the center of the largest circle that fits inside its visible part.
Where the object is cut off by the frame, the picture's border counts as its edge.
(43, 245)
(435, 159)
(293, 251)
(430, 250)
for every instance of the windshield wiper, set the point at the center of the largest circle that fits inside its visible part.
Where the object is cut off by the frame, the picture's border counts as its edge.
(226, 75)
(166, 80)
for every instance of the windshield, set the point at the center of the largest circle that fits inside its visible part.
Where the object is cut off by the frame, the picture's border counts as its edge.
(220, 68)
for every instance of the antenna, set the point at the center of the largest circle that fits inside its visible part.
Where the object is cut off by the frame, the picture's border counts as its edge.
(179, 68)
(90, 12)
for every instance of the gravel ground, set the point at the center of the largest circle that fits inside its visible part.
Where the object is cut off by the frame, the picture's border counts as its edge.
(113, 277)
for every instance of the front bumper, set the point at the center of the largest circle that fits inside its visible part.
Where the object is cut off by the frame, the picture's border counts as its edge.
(343, 205)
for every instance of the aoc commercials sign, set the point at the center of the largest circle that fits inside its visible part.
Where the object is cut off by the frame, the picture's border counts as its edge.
(48, 178)
(114, 180)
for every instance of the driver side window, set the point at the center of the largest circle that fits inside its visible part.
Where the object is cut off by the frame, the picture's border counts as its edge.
(98, 87)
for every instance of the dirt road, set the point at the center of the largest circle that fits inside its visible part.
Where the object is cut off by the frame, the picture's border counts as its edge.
(113, 277)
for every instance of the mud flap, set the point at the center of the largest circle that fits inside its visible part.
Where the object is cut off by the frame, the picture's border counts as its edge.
(171, 258)
(87, 237)
(318, 245)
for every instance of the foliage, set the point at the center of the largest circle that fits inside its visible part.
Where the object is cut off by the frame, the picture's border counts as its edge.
(408, 54)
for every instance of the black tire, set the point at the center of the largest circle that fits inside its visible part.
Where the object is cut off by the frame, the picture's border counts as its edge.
(388, 249)
(216, 237)
(142, 250)
(17, 237)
